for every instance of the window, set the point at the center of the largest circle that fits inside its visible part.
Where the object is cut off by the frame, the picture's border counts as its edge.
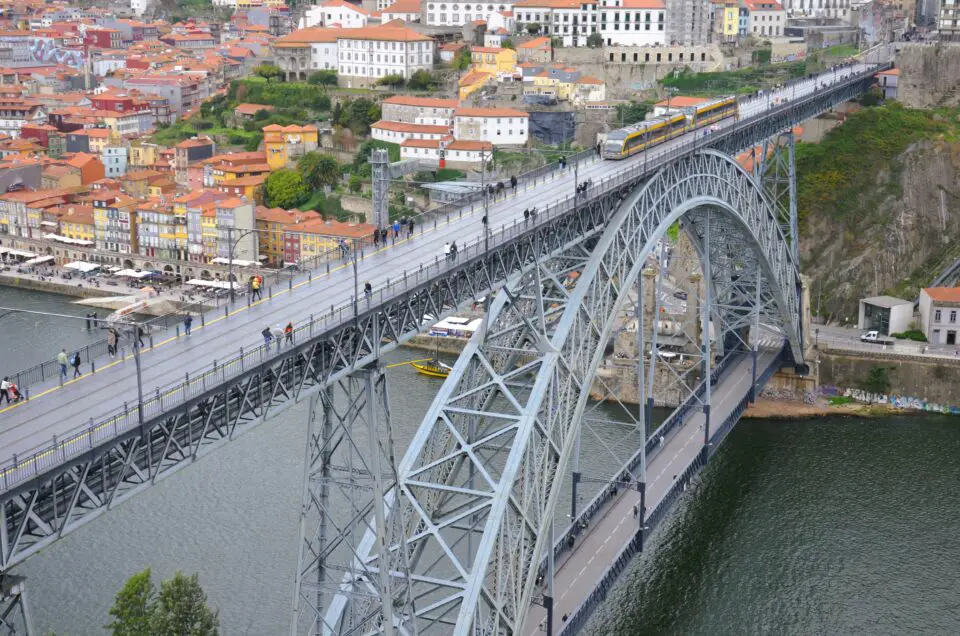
(953, 316)
(936, 316)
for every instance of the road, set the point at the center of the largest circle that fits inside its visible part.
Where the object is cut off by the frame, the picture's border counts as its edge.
(848, 339)
(55, 410)
(579, 571)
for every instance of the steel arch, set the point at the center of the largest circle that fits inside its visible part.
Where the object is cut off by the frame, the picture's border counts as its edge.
(479, 483)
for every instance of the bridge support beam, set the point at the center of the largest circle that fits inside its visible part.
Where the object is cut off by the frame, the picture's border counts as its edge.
(706, 309)
(14, 613)
(349, 474)
(641, 392)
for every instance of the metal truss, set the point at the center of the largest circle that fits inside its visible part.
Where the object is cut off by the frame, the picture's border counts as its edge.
(350, 471)
(75, 482)
(479, 484)
(14, 614)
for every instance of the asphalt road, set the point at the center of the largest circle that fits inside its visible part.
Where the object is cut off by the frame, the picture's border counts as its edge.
(578, 573)
(54, 410)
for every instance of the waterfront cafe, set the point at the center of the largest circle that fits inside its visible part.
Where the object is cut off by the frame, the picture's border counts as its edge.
(209, 284)
(134, 273)
(82, 266)
(13, 256)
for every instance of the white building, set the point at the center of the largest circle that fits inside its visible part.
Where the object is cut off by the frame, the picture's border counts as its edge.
(765, 18)
(365, 55)
(572, 21)
(432, 111)
(406, 10)
(335, 13)
(305, 51)
(397, 132)
(15, 112)
(139, 6)
(633, 22)
(619, 22)
(442, 13)
(455, 154)
(818, 8)
(498, 126)
(885, 314)
(940, 314)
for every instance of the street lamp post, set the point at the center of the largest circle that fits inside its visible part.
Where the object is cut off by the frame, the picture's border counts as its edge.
(230, 245)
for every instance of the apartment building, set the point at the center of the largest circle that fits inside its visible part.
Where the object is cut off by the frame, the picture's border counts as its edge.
(368, 54)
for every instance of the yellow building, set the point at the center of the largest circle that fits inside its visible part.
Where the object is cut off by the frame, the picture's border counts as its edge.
(143, 155)
(76, 222)
(208, 224)
(249, 187)
(271, 224)
(285, 144)
(490, 59)
(728, 19)
(472, 82)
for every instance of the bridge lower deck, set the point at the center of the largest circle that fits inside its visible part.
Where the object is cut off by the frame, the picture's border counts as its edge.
(579, 571)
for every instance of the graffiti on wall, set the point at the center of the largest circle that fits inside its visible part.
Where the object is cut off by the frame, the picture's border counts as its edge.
(47, 51)
(904, 402)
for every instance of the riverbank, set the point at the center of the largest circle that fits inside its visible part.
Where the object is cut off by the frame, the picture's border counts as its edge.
(781, 409)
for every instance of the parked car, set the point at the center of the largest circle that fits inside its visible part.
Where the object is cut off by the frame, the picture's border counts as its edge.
(682, 295)
(875, 338)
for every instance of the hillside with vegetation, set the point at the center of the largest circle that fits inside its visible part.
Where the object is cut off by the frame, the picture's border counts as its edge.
(877, 200)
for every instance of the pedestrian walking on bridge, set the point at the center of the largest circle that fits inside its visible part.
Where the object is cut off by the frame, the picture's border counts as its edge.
(76, 365)
(187, 322)
(62, 361)
(288, 333)
(267, 337)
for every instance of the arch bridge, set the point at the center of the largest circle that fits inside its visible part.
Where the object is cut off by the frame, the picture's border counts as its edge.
(458, 535)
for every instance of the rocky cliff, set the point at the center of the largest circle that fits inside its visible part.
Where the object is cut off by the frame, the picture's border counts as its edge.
(880, 206)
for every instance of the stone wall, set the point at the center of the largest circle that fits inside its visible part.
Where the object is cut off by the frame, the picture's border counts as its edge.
(79, 289)
(931, 379)
(358, 205)
(929, 75)
(628, 71)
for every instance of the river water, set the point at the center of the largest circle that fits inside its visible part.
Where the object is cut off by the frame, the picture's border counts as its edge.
(835, 526)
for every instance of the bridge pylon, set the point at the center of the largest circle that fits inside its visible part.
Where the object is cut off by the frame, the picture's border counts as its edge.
(349, 474)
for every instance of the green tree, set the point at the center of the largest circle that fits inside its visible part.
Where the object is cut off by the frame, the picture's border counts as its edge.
(323, 78)
(391, 80)
(877, 381)
(356, 183)
(362, 160)
(463, 60)
(631, 113)
(533, 28)
(317, 170)
(556, 42)
(268, 71)
(595, 40)
(508, 44)
(181, 609)
(421, 81)
(285, 189)
(133, 607)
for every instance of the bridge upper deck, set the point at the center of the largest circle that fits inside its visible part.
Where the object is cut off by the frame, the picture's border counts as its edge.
(55, 411)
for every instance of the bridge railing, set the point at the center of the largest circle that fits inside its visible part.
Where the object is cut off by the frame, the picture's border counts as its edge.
(36, 461)
(625, 476)
(49, 370)
(161, 399)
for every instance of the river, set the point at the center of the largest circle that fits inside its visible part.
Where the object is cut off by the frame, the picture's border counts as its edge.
(825, 526)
